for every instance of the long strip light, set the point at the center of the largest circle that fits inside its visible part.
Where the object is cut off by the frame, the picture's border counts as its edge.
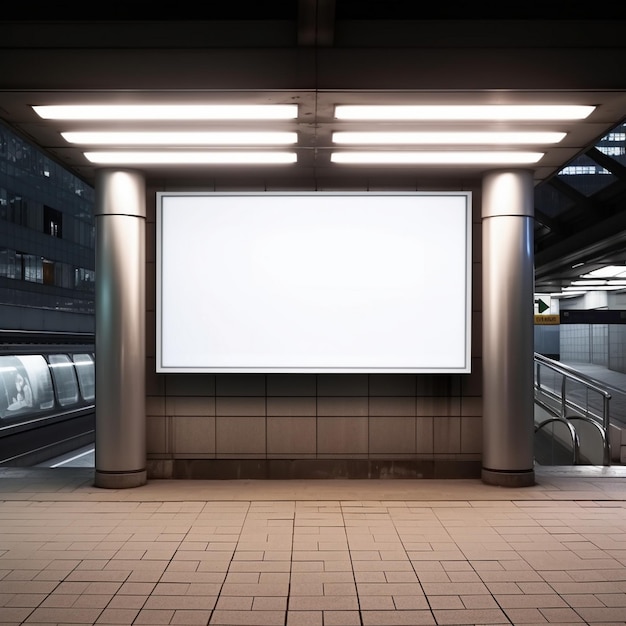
(435, 158)
(609, 271)
(217, 138)
(168, 112)
(462, 112)
(190, 158)
(463, 138)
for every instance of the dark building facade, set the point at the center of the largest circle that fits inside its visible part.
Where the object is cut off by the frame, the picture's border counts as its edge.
(47, 262)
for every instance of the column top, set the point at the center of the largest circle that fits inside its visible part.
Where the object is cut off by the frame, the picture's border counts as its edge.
(120, 192)
(508, 193)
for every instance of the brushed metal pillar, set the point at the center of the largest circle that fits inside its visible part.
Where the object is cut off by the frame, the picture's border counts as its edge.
(120, 329)
(508, 333)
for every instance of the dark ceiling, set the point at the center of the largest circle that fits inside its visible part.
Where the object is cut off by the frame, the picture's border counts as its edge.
(320, 52)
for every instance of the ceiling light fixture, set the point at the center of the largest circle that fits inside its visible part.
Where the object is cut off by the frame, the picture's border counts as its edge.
(608, 271)
(168, 112)
(181, 138)
(435, 158)
(190, 158)
(499, 138)
(462, 112)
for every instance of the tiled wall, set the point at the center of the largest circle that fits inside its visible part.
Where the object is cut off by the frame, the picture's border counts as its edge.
(317, 425)
(617, 347)
(575, 343)
(600, 344)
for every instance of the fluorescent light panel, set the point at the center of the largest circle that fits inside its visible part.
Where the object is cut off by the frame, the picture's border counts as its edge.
(610, 271)
(462, 112)
(499, 138)
(181, 138)
(608, 287)
(190, 158)
(169, 112)
(435, 158)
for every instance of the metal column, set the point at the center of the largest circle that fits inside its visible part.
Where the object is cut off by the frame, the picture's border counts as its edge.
(120, 329)
(508, 337)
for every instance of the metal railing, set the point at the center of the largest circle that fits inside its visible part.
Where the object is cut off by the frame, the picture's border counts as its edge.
(568, 396)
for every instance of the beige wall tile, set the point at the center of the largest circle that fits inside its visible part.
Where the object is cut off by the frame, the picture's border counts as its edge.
(291, 406)
(472, 384)
(477, 335)
(150, 334)
(291, 435)
(392, 385)
(342, 384)
(240, 384)
(151, 241)
(450, 406)
(193, 435)
(150, 286)
(477, 287)
(346, 435)
(156, 435)
(424, 435)
(438, 385)
(471, 435)
(241, 406)
(392, 406)
(240, 435)
(447, 435)
(342, 406)
(155, 383)
(472, 406)
(190, 384)
(193, 405)
(393, 435)
(155, 405)
(291, 385)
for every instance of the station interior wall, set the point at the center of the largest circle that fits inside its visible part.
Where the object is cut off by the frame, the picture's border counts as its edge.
(312, 425)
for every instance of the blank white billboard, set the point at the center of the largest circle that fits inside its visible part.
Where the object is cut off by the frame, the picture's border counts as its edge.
(314, 282)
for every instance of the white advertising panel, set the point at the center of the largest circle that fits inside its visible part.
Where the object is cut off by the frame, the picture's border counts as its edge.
(314, 282)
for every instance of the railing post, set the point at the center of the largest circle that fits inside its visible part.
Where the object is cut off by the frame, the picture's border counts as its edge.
(606, 422)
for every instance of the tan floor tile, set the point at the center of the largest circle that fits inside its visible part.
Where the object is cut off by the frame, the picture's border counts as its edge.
(377, 603)
(470, 616)
(454, 588)
(186, 617)
(62, 615)
(479, 602)
(234, 603)
(389, 589)
(259, 589)
(563, 616)
(24, 600)
(117, 616)
(526, 616)
(403, 603)
(305, 618)
(342, 618)
(269, 603)
(245, 618)
(154, 617)
(180, 602)
(445, 602)
(323, 603)
(592, 614)
(540, 601)
(397, 618)
(127, 602)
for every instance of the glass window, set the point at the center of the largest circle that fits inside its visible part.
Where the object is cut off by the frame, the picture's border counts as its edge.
(25, 385)
(52, 222)
(64, 378)
(86, 375)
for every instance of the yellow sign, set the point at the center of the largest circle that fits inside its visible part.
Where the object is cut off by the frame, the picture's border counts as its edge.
(546, 320)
